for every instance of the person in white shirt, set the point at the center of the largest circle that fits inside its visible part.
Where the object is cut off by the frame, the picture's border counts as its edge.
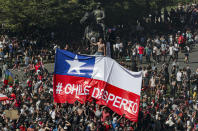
(179, 76)
(187, 50)
(137, 46)
(158, 54)
(179, 79)
(170, 39)
(171, 53)
(154, 52)
(55, 47)
(5, 67)
(134, 53)
(163, 49)
(119, 47)
(144, 71)
(152, 84)
(176, 50)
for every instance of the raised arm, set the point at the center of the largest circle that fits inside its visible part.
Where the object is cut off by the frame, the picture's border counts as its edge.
(94, 44)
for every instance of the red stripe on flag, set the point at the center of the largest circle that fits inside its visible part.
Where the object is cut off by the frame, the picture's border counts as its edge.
(71, 88)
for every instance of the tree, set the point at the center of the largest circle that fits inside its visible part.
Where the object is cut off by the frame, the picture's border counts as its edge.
(63, 16)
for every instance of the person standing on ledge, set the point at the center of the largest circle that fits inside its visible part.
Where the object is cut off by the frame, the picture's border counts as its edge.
(101, 47)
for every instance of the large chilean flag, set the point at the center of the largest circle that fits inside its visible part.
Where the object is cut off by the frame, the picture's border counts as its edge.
(84, 78)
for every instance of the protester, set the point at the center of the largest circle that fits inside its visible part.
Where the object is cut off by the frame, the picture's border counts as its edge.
(101, 47)
(169, 90)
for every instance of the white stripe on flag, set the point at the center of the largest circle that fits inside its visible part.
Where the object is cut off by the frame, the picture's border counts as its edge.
(118, 75)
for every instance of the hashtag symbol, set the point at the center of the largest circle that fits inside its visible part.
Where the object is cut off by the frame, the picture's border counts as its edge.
(59, 88)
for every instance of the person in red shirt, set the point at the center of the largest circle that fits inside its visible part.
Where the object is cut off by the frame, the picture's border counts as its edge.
(40, 77)
(22, 128)
(181, 41)
(141, 52)
(107, 125)
(29, 83)
(5, 82)
(37, 66)
(17, 103)
(105, 115)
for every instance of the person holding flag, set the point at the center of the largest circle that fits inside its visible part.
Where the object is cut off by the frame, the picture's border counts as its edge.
(9, 79)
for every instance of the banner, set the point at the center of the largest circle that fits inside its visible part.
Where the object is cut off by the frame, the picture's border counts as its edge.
(11, 114)
(84, 78)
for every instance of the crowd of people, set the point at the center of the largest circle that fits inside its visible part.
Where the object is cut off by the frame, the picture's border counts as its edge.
(169, 92)
(179, 31)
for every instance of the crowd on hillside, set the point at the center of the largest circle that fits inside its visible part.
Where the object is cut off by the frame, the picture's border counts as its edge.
(169, 92)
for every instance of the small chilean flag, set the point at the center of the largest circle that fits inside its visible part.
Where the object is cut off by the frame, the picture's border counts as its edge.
(3, 97)
(84, 78)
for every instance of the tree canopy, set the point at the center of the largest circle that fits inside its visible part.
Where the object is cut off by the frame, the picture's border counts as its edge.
(63, 16)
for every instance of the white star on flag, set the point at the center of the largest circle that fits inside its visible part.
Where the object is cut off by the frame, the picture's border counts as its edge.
(75, 65)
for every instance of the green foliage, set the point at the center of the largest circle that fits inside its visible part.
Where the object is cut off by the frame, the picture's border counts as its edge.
(28, 16)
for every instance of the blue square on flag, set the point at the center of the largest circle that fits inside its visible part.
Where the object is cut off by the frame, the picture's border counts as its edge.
(68, 63)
